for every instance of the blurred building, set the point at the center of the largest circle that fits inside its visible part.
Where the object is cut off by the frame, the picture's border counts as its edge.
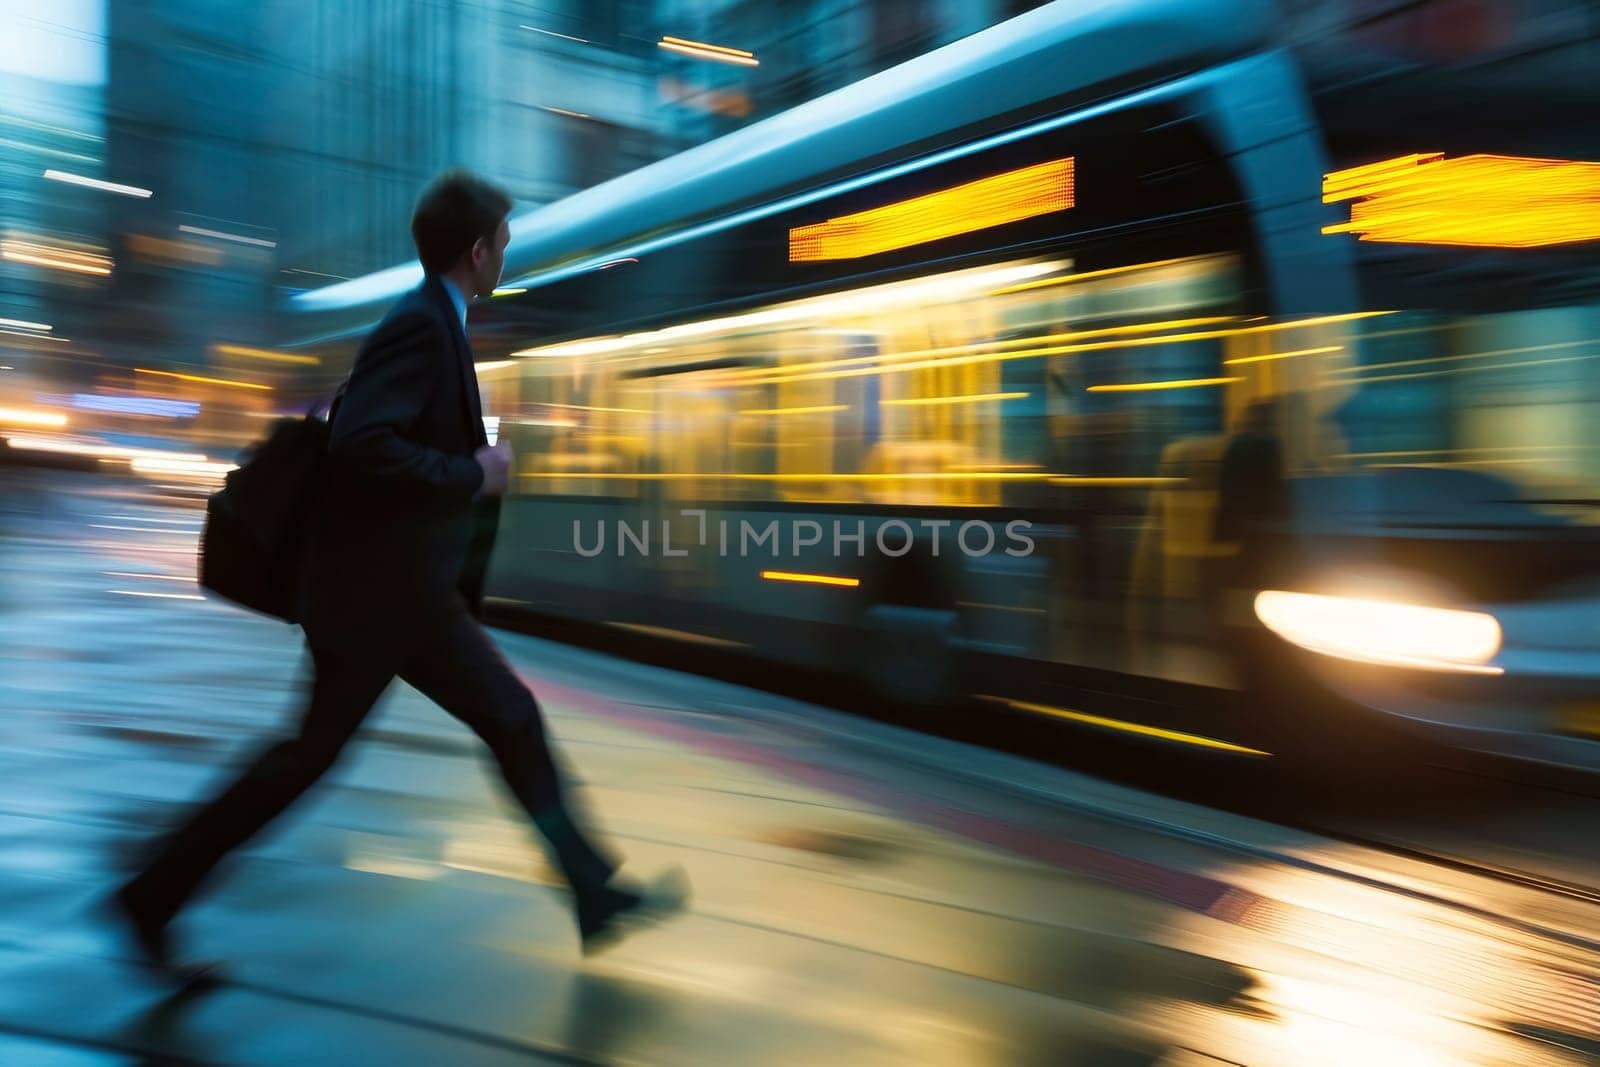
(52, 235)
(278, 147)
(800, 50)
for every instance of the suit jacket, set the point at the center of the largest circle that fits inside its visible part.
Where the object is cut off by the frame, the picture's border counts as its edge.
(396, 522)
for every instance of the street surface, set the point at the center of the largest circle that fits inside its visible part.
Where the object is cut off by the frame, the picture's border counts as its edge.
(863, 894)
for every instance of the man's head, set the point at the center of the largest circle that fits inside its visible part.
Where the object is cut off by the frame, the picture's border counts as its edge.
(460, 229)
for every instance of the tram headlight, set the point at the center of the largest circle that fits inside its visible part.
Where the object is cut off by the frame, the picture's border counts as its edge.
(1377, 631)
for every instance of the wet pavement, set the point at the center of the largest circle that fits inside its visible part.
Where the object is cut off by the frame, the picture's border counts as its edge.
(863, 894)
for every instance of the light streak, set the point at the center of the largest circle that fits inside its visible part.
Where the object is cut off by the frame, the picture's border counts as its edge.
(1484, 201)
(97, 183)
(967, 208)
(715, 52)
(237, 238)
(202, 379)
(810, 579)
(1124, 726)
(1180, 383)
(970, 398)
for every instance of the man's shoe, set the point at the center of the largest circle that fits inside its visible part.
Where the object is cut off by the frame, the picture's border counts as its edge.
(612, 912)
(149, 928)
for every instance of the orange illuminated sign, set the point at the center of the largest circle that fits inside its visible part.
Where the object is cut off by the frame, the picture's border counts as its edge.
(978, 205)
(1482, 200)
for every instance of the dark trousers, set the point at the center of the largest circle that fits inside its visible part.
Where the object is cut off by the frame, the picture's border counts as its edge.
(457, 667)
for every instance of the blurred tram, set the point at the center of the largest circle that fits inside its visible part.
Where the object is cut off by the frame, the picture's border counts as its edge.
(1024, 377)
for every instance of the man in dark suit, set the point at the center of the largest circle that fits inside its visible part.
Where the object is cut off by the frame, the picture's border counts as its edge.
(386, 591)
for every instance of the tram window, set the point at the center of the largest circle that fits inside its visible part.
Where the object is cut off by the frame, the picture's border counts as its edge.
(894, 401)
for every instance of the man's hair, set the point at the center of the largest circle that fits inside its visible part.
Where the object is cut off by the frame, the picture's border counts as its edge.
(456, 209)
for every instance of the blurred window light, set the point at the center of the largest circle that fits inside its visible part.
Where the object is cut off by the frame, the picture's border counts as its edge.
(158, 407)
(247, 352)
(714, 52)
(97, 183)
(564, 111)
(87, 446)
(979, 205)
(221, 236)
(1376, 631)
(54, 257)
(23, 324)
(873, 300)
(200, 468)
(47, 420)
(1180, 383)
(63, 41)
(494, 364)
(201, 379)
(1484, 201)
(161, 250)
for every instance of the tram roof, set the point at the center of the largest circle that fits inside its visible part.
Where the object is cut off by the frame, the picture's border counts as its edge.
(1064, 49)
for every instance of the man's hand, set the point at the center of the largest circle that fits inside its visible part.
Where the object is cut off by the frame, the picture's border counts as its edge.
(495, 460)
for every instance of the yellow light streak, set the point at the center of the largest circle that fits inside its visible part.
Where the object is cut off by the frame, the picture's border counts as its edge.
(1127, 727)
(1108, 481)
(588, 407)
(887, 360)
(47, 420)
(818, 409)
(1483, 201)
(718, 53)
(819, 476)
(202, 379)
(677, 635)
(247, 352)
(1053, 350)
(971, 398)
(685, 42)
(1147, 387)
(494, 364)
(55, 258)
(810, 579)
(1265, 357)
(512, 291)
(979, 205)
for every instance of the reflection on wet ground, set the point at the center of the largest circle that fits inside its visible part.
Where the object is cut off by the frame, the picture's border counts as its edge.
(862, 894)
